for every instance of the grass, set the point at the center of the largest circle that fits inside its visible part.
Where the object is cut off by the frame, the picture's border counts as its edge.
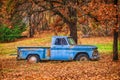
(108, 47)
(11, 48)
(104, 47)
(104, 44)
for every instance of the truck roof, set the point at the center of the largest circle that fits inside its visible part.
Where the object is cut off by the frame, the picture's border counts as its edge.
(60, 36)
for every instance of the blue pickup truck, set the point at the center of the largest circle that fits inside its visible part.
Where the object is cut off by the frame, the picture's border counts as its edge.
(62, 48)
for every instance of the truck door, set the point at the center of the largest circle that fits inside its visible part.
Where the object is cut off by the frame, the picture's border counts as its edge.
(60, 50)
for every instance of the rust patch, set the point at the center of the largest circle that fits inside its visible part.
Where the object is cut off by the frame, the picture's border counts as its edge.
(48, 53)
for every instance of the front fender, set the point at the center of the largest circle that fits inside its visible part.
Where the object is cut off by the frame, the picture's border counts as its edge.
(80, 53)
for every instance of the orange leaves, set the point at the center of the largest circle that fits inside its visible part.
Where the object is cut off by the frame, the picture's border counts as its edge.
(56, 25)
(106, 12)
(4, 13)
(79, 13)
(81, 20)
(102, 11)
(104, 69)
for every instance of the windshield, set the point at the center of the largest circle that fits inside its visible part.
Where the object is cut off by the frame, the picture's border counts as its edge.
(71, 41)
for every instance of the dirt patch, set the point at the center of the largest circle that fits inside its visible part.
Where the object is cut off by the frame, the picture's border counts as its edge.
(104, 69)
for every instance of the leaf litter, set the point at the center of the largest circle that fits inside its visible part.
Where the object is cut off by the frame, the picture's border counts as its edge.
(104, 69)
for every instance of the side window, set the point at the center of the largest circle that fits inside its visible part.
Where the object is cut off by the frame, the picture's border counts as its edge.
(60, 41)
(64, 41)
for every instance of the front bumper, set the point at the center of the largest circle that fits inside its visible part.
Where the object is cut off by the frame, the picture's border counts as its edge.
(95, 58)
(95, 55)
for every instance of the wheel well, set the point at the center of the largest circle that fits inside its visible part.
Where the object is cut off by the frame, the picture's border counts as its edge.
(32, 55)
(80, 54)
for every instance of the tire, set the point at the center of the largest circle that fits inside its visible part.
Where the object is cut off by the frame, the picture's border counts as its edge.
(33, 59)
(82, 57)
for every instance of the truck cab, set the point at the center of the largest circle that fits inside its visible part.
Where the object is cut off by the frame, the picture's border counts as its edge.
(62, 48)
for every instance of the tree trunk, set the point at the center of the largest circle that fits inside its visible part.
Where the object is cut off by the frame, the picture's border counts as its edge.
(31, 32)
(71, 19)
(115, 46)
(31, 29)
(73, 31)
(73, 22)
(115, 39)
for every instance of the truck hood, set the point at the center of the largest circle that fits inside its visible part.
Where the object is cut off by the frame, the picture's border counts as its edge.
(85, 46)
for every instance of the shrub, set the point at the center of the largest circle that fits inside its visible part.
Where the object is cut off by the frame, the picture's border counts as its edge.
(10, 34)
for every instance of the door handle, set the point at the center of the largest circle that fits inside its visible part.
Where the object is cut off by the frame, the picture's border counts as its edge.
(71, 47)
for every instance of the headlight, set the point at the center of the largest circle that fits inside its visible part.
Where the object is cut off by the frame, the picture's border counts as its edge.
(95, 52)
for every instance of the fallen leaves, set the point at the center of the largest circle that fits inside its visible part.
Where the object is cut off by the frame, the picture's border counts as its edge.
(104, 69)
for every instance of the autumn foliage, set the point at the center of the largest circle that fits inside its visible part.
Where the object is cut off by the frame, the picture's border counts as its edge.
(92, 14)
(104, 69)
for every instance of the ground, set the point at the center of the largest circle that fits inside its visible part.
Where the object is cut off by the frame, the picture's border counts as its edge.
(104, 69)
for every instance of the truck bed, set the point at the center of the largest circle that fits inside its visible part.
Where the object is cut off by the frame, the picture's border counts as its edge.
(27, 50)
(29, 47)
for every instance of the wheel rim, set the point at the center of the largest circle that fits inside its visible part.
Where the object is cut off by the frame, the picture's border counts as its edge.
(83, 58)
(32, 59)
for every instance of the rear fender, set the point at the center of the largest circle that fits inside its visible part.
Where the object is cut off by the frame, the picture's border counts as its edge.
(33, 54)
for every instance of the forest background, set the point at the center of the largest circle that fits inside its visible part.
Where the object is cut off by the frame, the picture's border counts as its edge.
(32, 17)
(76, 18)
(34, 22)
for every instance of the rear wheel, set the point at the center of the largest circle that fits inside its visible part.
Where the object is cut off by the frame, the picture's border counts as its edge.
(82, 57)
(33, 58)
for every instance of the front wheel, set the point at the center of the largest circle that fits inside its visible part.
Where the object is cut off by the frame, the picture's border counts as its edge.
(33, 59)
(82, 57)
